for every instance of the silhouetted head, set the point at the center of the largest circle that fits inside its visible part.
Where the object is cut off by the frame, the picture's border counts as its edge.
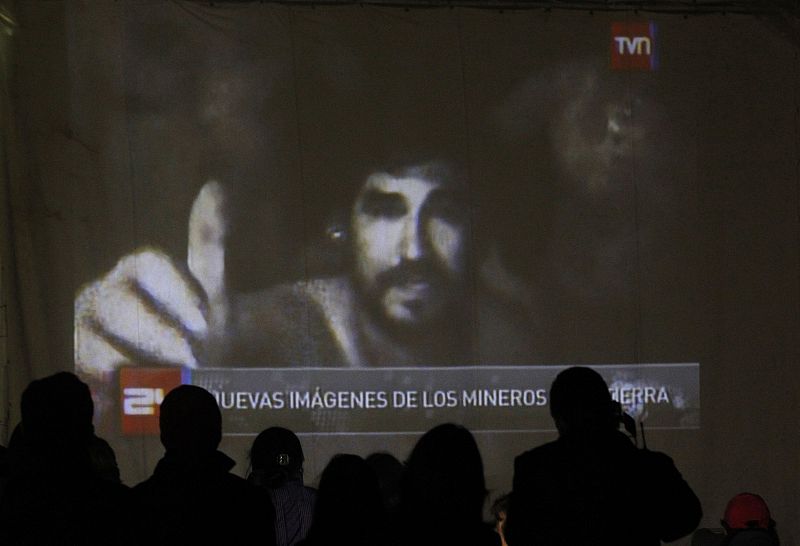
(276, 456)
(190, 420)
(581, 403)
(444, 479)
(389, 471)
(348, 508)
(57, 413)
(747, 511)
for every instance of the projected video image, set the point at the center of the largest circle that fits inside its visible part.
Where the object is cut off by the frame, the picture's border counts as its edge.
(405, 300)
(360, 248)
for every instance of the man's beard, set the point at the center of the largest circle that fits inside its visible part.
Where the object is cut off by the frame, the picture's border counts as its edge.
(434, 300)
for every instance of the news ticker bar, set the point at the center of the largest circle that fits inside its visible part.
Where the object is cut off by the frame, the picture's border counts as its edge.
(397, 400)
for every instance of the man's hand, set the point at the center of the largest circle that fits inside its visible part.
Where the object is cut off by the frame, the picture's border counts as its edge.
(152, 309)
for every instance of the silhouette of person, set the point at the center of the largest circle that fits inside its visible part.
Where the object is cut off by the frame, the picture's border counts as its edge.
(349, 511)
(276, 464)
(104, 460)
(443, 491)
(389, 471)
(592, 485)
(4, 468)
(192, 497)
(747, 521)
(54, 494)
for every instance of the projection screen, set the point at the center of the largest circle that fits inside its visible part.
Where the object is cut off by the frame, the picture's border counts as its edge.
(358, 222)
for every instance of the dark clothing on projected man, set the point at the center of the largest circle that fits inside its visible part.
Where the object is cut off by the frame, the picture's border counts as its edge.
(323, 322)
(598, 489)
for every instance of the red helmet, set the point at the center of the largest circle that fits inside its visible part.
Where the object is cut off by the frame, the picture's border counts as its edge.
(747, 510)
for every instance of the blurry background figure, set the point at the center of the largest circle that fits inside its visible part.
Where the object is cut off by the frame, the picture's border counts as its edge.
(499, 511)
(276, 464)
(348, 511)
(444, 491)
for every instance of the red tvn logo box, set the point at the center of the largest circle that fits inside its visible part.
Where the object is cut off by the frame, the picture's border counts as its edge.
(142, 390)
(633, 46)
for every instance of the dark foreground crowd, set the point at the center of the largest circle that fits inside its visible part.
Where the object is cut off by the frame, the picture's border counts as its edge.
(59, 484)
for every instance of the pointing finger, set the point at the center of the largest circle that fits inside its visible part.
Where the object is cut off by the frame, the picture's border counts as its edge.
(206, 254)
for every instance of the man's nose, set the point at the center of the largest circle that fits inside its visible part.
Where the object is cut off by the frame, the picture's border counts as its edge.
(413, 239)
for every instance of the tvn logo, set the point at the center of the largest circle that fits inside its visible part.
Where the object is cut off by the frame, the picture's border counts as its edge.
(633, 46)
(638, 45)
(142, 391)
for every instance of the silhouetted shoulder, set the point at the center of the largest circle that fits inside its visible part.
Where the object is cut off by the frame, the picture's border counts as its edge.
(542, 451)
(538, 459)
(46, 509)
(674, 496)
(575, 491)
(192, 497)
(180, 499)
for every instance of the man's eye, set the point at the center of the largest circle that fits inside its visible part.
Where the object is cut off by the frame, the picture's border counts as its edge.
(383, 205)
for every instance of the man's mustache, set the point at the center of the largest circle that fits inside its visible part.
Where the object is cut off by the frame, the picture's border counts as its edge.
(408, 272)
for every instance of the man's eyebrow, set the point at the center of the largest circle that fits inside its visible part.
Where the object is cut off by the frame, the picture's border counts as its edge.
(376, 202)
(376, 192)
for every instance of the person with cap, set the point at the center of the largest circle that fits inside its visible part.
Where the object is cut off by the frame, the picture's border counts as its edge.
(276, 464)
(192, 497)
(593, 485)
(747, 521)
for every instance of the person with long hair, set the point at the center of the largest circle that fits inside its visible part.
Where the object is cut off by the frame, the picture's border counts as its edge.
(349, 509)
(443, 492)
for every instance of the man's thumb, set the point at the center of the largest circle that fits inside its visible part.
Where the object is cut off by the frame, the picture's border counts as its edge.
(207, 232)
